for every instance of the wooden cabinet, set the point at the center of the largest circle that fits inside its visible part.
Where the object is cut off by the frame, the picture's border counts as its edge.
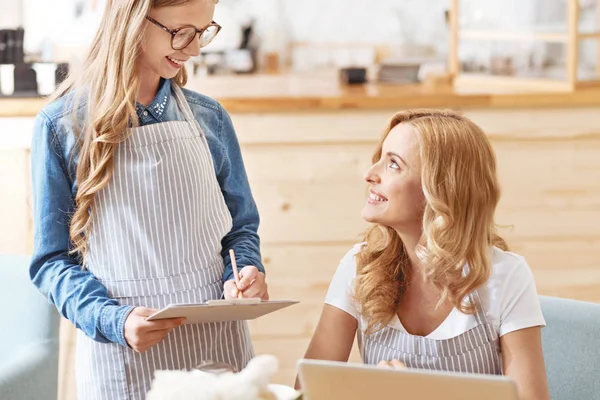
(306, 172)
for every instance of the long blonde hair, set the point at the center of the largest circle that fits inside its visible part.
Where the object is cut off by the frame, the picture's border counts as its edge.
(461, 191)
(106, 86)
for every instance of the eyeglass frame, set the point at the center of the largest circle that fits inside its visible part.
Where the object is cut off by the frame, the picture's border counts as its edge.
(173, 32)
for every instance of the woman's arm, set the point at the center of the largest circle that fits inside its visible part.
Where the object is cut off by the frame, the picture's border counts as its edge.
(333, 337)
(523, 361)
(232, 177)
(75, 292)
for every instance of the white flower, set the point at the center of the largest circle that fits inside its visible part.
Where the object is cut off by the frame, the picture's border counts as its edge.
(250, 384)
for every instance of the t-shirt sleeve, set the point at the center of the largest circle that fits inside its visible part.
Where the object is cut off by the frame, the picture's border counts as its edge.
(339, 294)
(520, 307)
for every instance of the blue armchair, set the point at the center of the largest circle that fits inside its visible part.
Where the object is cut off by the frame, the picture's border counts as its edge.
(571, 343)
(28, 337)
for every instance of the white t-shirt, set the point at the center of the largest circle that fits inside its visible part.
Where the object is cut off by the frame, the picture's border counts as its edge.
(509, 297)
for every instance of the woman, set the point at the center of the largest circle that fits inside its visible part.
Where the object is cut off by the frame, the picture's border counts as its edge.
(140, 192)
(433, 286)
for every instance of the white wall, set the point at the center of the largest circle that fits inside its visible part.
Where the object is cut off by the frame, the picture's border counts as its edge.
(55, 22)
(399, 23)
(11, 15)
(314, 21)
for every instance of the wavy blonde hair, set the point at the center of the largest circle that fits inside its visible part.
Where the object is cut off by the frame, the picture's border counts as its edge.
(461, 191)
(106, 86)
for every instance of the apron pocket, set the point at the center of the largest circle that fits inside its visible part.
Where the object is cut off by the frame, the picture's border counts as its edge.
(203, 280)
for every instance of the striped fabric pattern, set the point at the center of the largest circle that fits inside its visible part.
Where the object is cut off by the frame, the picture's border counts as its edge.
(475, 351)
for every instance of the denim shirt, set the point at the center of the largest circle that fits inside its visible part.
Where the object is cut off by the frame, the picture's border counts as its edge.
(76, 292)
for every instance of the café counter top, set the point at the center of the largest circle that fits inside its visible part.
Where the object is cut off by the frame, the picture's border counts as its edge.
(313, 92)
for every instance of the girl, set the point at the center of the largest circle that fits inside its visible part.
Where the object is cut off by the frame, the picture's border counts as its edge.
(433, 286)
(139, 193)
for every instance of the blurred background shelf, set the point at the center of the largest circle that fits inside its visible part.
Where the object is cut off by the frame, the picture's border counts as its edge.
(549, 47)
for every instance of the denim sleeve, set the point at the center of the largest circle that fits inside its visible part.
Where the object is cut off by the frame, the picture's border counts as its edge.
(75, 292)
(243, 237)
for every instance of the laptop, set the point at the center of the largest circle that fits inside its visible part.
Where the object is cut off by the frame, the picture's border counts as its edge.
(329, 380)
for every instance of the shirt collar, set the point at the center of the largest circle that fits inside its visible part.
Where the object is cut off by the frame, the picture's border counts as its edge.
(159, 105)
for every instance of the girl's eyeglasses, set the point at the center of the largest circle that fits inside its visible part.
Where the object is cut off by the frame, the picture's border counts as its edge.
(182, 37)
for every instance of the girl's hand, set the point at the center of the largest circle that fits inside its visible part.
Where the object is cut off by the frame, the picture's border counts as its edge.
(252, 284)
(141, 334)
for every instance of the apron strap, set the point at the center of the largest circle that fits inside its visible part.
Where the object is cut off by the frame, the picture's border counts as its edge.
(474, 298)
(481, 316)
(182, 102)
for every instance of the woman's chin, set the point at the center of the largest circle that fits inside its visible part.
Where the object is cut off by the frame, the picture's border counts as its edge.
(369, 216)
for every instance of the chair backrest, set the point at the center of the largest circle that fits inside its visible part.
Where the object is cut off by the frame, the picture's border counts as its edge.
(29, 337)
(571, 343)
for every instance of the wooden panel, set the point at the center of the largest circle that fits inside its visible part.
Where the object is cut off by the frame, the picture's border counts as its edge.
(300, 273)
(366, 126)
(306, 175)
(538, 124)
(66, 361)
(289, 351)
(546, 190)
(315, 192)
(15, 202)
(550, 174)
(568, 254)
(301, 265)
(310, 128)
(309, 194)
(358, 126)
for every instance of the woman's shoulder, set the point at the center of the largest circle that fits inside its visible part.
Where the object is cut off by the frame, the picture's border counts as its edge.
(508, 270)
(61, 108)
(209, 113)
(350, 256)
(202, 103)
(56, 121)
(510, 296)
(347, 264)
(357, 248)
(508, 266)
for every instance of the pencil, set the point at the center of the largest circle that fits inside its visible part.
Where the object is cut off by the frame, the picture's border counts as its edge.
(236, 275)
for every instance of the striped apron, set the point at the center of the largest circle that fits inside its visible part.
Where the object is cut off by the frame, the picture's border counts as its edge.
(475, 351)
(156, 239)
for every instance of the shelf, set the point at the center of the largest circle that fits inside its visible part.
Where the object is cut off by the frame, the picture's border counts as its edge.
(472, 80)
(515, 43)
(590, 35)
(549, 37)
(22, 95)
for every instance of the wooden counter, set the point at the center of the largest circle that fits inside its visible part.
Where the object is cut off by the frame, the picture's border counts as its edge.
(297, 92)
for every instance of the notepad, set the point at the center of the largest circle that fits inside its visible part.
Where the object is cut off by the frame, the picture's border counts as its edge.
(221, 310)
